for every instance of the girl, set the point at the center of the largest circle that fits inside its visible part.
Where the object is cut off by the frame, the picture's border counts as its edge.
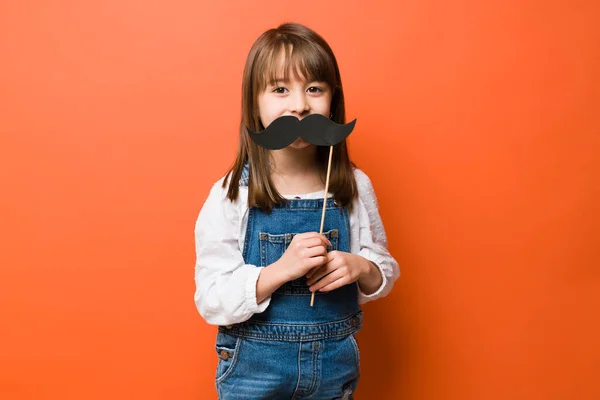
(259, 258)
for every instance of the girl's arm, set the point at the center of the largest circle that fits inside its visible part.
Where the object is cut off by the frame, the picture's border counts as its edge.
(373, 241)
(225, 285)
(369, 261)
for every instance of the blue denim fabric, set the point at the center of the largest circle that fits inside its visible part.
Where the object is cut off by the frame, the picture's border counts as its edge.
(292, 350)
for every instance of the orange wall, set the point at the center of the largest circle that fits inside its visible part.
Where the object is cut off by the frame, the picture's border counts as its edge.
(477, 123)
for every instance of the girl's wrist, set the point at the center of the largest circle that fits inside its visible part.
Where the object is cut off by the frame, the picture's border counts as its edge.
(270, 278)
(278, 272)
(366, 268)
(370, 278)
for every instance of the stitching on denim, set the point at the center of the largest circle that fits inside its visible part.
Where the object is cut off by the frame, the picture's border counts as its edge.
(297, 337)
(315, 373)
(283, 324)
(356, 354)
(234, 361)
(248, 239)
(299, 369)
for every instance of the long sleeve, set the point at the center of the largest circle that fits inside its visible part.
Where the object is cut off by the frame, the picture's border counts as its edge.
(373, 239)
(225, 285)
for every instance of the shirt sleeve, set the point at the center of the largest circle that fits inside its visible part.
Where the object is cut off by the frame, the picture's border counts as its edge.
(373, 239)
(225, 285)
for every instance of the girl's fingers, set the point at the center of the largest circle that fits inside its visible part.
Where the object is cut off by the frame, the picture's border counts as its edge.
(312, 235)
(316, 251)
(319, 273)
(312, 242)
(335, 285)
(316, 261)
(320, 241)
(313, 271)
(332, 277)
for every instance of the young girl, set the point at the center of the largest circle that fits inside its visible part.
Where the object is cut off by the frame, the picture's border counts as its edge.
(259, 258)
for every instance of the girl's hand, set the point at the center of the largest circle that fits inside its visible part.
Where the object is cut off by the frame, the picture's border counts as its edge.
(305, 252)
(342, 269)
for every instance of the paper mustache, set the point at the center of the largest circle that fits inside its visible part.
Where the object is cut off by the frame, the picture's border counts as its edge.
(315, 128)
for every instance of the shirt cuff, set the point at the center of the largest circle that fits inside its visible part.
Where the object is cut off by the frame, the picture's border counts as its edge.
(251, 280)
(378, 261)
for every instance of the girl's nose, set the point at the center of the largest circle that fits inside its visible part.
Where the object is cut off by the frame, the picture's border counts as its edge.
(298, 103)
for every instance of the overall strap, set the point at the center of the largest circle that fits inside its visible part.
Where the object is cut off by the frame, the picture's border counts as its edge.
(245, 175)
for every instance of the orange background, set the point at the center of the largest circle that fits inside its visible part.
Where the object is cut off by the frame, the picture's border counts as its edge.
(478, 125)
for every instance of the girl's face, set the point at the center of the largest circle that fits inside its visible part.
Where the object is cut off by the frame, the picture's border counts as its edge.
(297, 97)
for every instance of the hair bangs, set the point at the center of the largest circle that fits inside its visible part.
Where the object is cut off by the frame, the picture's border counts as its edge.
(298, 60)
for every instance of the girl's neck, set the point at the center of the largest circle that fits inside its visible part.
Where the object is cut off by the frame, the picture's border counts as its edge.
(296, 171)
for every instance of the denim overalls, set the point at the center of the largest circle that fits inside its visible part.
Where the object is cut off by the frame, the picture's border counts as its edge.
(292, 350)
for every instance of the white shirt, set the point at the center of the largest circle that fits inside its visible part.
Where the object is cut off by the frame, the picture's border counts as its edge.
(226, 286)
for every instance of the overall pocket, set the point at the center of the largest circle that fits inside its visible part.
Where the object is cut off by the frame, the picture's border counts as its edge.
(356, 353)
(272, 248)
(350, 387)
(228, 349)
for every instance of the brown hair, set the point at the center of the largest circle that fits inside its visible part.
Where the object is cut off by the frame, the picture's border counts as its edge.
(308, 55)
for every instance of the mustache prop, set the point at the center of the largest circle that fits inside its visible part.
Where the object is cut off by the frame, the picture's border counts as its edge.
(315, 128)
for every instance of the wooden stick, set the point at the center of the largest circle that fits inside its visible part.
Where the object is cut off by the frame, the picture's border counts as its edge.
(312, 298)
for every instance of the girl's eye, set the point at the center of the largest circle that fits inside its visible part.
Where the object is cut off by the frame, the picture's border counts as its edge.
(314, 89)
(280, 90)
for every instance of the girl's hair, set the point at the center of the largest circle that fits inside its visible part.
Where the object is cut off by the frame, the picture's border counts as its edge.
(309, 56)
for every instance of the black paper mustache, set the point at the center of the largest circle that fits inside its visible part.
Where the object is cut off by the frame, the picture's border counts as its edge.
(315, 128)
